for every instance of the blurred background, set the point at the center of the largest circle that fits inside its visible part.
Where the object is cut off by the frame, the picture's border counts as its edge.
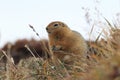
(79, 15)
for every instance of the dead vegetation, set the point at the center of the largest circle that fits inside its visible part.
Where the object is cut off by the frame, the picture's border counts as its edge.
(32, 60)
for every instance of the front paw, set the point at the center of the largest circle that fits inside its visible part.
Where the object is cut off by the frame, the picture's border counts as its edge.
(56, 48)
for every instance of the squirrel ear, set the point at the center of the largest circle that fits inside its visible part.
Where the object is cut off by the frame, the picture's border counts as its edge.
(63, 25)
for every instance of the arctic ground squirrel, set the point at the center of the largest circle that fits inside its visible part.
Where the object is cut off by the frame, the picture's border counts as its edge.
(65, 42)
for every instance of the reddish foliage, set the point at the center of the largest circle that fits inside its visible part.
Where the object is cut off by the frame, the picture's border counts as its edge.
(18, 51)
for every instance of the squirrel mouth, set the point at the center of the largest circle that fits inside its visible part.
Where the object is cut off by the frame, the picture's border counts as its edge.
(49, 32)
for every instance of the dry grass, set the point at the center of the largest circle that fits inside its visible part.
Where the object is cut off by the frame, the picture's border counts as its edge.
(102, 61)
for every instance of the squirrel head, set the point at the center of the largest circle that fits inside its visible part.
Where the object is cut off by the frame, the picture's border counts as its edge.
(56, 26)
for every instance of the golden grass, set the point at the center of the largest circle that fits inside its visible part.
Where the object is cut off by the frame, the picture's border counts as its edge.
(102, 62)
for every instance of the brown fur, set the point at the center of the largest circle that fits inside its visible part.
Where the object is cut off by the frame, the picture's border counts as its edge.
(64, 41)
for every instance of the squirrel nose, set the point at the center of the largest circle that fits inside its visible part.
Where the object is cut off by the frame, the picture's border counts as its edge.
(46, 28)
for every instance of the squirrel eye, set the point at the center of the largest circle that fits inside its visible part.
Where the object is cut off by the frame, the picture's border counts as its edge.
(55, 25)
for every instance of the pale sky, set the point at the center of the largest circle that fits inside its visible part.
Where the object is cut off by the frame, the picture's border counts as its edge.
(15, 15)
